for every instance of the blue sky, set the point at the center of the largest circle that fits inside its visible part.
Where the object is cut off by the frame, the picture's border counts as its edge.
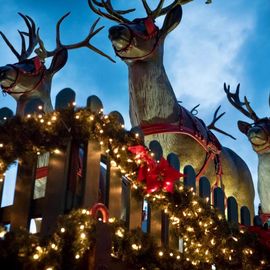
(227, 41)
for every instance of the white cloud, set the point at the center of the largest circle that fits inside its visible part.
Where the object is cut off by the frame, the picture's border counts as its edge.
(201, 54)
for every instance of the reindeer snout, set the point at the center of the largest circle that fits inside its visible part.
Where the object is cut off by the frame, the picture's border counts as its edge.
(118, 31)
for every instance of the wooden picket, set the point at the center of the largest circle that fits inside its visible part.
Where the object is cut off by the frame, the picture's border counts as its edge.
(102, 183)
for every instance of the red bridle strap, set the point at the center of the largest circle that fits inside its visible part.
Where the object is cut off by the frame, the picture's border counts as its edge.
(39, 70)
(211, 149)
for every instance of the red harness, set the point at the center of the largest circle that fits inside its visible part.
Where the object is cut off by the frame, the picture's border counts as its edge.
(39, 70)
(152, 31)
(195, 128)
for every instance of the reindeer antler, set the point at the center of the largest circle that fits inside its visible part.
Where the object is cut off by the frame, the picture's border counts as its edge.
(112, 14)
(215, 119)
(32, 36)
(159, 11)
(116, 15)
(235, 101)
(43, 53)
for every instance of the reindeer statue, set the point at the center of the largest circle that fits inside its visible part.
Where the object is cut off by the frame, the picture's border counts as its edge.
(258, 134)
(153, 104)
(29, 81)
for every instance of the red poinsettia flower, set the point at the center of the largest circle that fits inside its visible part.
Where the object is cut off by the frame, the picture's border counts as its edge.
(159, 175)
(141, 153)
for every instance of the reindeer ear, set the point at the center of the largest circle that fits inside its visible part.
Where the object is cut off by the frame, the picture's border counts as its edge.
(243, 126)
(172, 19)
(58, 61)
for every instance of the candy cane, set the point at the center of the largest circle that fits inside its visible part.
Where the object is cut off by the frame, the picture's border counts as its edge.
(100, 207)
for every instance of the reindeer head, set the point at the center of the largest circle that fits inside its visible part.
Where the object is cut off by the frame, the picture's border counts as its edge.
(140, 39)
(257, 132)
(29, 78)
(22, 76)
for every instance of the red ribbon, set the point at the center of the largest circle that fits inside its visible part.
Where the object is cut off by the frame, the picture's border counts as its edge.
(158, 175)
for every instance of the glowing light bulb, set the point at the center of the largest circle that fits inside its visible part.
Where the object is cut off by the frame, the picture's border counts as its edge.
(83, 235)
(35, 256)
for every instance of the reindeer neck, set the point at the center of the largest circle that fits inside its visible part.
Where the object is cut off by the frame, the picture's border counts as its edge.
(152, 99)
(263, 181)
(41, 93)
(264, 161)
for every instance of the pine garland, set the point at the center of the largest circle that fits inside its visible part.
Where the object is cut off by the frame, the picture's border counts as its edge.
(208, 238)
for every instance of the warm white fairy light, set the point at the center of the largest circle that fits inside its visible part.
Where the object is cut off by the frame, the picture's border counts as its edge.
(53, 246)
(112, 220)
(35, 256)
(120, 232)
(57, 151)
(83, 236)
(136, 247)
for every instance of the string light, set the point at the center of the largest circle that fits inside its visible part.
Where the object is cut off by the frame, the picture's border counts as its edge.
(194, 219)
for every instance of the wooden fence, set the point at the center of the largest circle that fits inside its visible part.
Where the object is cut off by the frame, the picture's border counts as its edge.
(99, 182)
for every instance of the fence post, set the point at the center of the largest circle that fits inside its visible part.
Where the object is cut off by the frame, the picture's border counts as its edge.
(190, 177)
(232, 210)
(115, 186)
(175, 163)
(5, 113)
(205, 189)
(55, 200)
(136, 205)
(20, 212)
(93, 158)
(245, 216)
(65, 98)
(219, 199)
(92, 174)
(56, 188)
(158, 224)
